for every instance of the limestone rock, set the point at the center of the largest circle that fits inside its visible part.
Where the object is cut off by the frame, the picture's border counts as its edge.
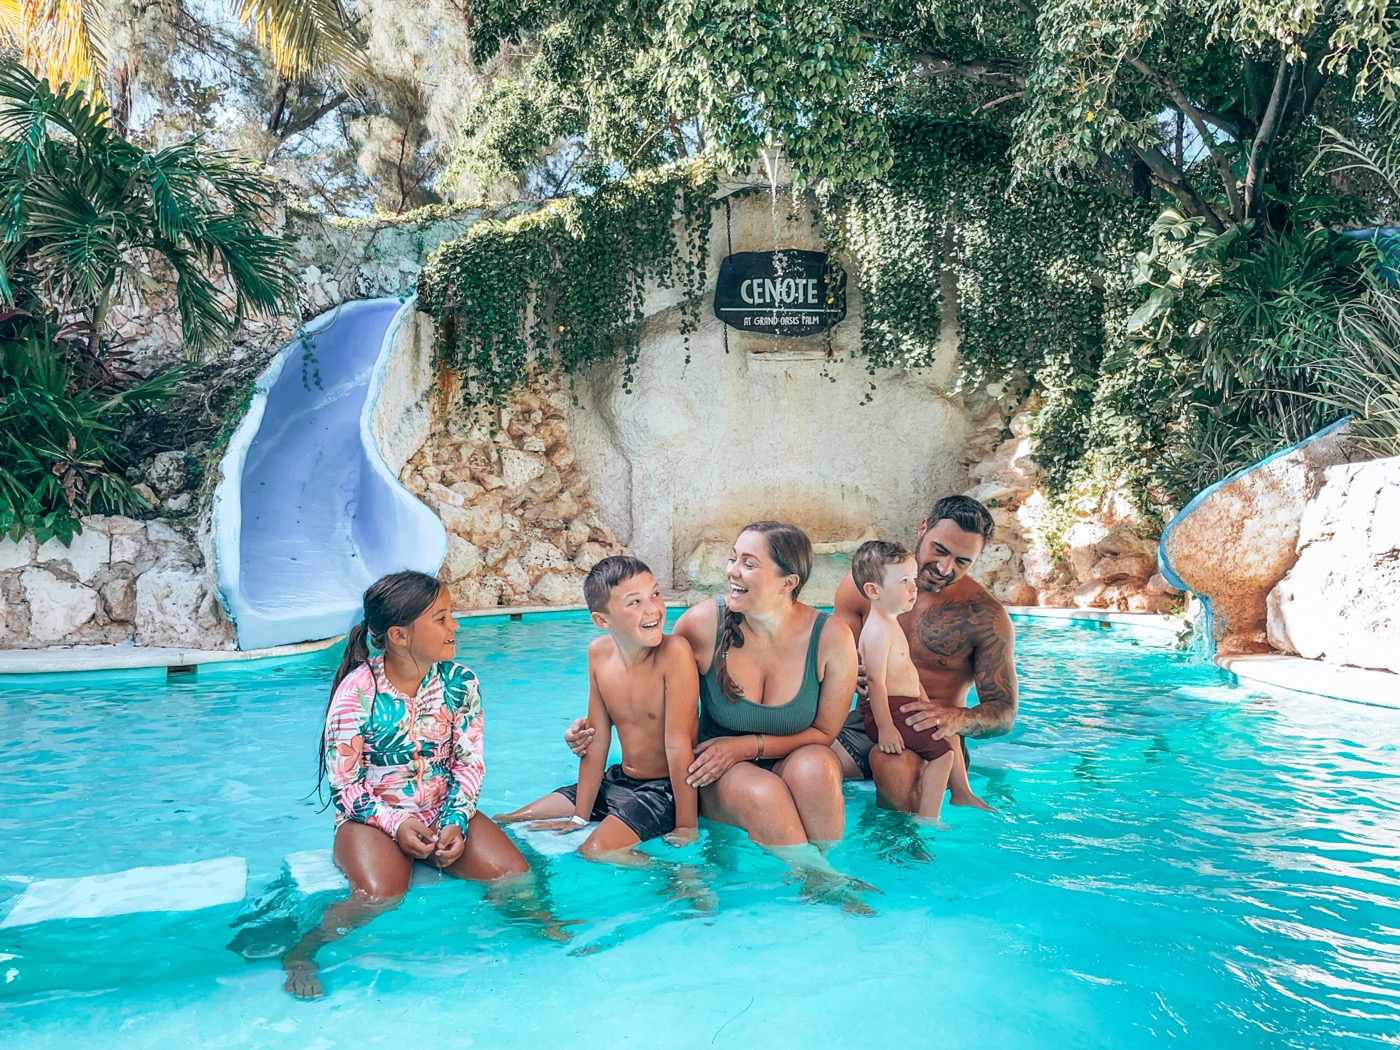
(463, 558)
(1082, 542)
(1341, 600)
(558, 588)
(1157, 584)
(15, 555)
(168, 472)
(1239, 541)
(1144, 602)
(516, 578)
(179, 504)
(177, 607)
(119, 599)
(85, 557)
(518, 468)
(543, 557)
(128, 538)
(590, 554)
(57, 608)
(1090, 596)
(1136, 567)
(147, 494)
(1120, 539)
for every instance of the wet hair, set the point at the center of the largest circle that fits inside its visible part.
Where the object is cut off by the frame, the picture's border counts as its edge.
(871, 559)
(395, 600)
(791, 550)
(964, 512)
(602, 578)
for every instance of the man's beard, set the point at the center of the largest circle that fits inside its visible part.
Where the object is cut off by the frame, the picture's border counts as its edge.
(931, 582)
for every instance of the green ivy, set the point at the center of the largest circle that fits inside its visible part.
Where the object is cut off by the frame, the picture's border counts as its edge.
(1036, 268)
(564, 287)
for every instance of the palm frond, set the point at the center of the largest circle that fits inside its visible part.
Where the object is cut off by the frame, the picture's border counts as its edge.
(305, 36)
(62, 40)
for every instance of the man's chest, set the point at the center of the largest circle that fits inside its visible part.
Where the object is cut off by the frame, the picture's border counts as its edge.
(939, 637)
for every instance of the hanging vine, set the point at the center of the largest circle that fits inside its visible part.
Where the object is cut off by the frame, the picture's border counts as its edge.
(564, 287)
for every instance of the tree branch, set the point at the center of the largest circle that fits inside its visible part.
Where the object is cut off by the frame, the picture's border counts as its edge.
(998, 101)
(1268, 127)
(1174, 181)
(1222, 165)
(300, 124)
(986, 71)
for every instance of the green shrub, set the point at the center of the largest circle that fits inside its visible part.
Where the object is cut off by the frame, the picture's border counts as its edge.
(63, 435)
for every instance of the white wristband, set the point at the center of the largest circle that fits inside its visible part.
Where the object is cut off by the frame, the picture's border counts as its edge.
(577, 821)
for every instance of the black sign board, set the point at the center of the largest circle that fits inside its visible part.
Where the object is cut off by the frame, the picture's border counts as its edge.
(782, 293)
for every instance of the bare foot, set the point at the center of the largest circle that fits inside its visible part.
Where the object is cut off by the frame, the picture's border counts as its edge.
(687, 884)
(832, 888)
(302, 980)
(967, 798)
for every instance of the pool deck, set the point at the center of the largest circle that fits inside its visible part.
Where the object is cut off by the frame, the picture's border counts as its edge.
(1271, 670)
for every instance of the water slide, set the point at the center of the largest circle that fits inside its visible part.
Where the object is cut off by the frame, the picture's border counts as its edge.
(307, 513)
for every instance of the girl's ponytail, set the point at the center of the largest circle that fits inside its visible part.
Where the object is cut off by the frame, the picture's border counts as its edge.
(356, 653)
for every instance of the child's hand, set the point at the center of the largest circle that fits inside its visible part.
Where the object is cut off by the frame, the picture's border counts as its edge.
(681, 836)
(891, 743)
(450, 845)
(415, 839)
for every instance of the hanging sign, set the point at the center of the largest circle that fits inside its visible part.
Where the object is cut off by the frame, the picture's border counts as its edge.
(781, 293)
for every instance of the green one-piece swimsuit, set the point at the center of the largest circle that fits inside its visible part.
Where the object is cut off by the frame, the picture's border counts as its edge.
(723, 715)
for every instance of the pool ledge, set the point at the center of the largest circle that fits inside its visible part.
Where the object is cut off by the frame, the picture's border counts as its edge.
(1146, 621)
(1298, 675)
(131, 657)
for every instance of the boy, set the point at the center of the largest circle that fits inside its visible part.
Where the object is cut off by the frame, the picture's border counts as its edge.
(886, 575)
(644, 683)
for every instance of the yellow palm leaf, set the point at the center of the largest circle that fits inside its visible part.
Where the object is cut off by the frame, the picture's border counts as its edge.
(305, 36)
(58, 39)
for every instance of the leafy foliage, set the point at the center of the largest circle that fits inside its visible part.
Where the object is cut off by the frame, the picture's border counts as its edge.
(63, 432)
(85, 211)
(563, 287)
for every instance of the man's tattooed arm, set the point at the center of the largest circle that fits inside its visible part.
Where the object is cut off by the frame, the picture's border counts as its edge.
(994, 672)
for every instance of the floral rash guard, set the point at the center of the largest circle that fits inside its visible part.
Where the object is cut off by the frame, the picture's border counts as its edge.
(392, 756)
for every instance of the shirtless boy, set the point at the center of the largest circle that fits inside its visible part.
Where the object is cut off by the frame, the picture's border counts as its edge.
(885, 574)
(644, 683)
(958, 635)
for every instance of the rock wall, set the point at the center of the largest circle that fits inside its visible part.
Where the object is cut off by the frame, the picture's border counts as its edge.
(1236, 543)
(120, 581)
(1341, 599)
(1104, 558)
(522, 527)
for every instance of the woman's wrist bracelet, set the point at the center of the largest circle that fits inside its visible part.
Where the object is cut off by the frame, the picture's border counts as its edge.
(577, 821)
(758, 744)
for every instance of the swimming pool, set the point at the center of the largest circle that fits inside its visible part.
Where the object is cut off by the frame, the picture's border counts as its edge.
(1175, 860)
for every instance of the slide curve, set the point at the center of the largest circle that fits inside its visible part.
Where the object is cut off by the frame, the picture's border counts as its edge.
(307, 513)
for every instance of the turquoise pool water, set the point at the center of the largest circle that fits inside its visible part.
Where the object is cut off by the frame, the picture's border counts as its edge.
(1175, 860)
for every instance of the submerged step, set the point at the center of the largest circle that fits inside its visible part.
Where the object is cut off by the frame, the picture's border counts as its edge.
(173, 887)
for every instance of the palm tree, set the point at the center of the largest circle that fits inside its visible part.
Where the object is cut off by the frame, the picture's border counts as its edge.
(82, 210)
(62, 40)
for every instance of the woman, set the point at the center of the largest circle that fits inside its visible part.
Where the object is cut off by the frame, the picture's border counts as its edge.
(402, 750)
(776, 680)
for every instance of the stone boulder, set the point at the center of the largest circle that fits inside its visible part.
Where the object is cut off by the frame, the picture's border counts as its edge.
(57, 608)
(1237, 543)
(1341, 600)
(176, 606)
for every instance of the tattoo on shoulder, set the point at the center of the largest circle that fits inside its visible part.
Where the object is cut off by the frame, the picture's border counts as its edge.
(994, 655)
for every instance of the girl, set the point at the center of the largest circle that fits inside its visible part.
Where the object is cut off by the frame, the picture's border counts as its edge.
(402, 750)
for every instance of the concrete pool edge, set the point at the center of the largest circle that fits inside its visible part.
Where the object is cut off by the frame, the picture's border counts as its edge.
(1334, 681)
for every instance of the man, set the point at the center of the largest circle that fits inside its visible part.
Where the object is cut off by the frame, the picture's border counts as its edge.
(959, 635)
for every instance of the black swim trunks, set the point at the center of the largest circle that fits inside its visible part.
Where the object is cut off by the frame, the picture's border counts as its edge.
(648, 807)
(856, 743)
